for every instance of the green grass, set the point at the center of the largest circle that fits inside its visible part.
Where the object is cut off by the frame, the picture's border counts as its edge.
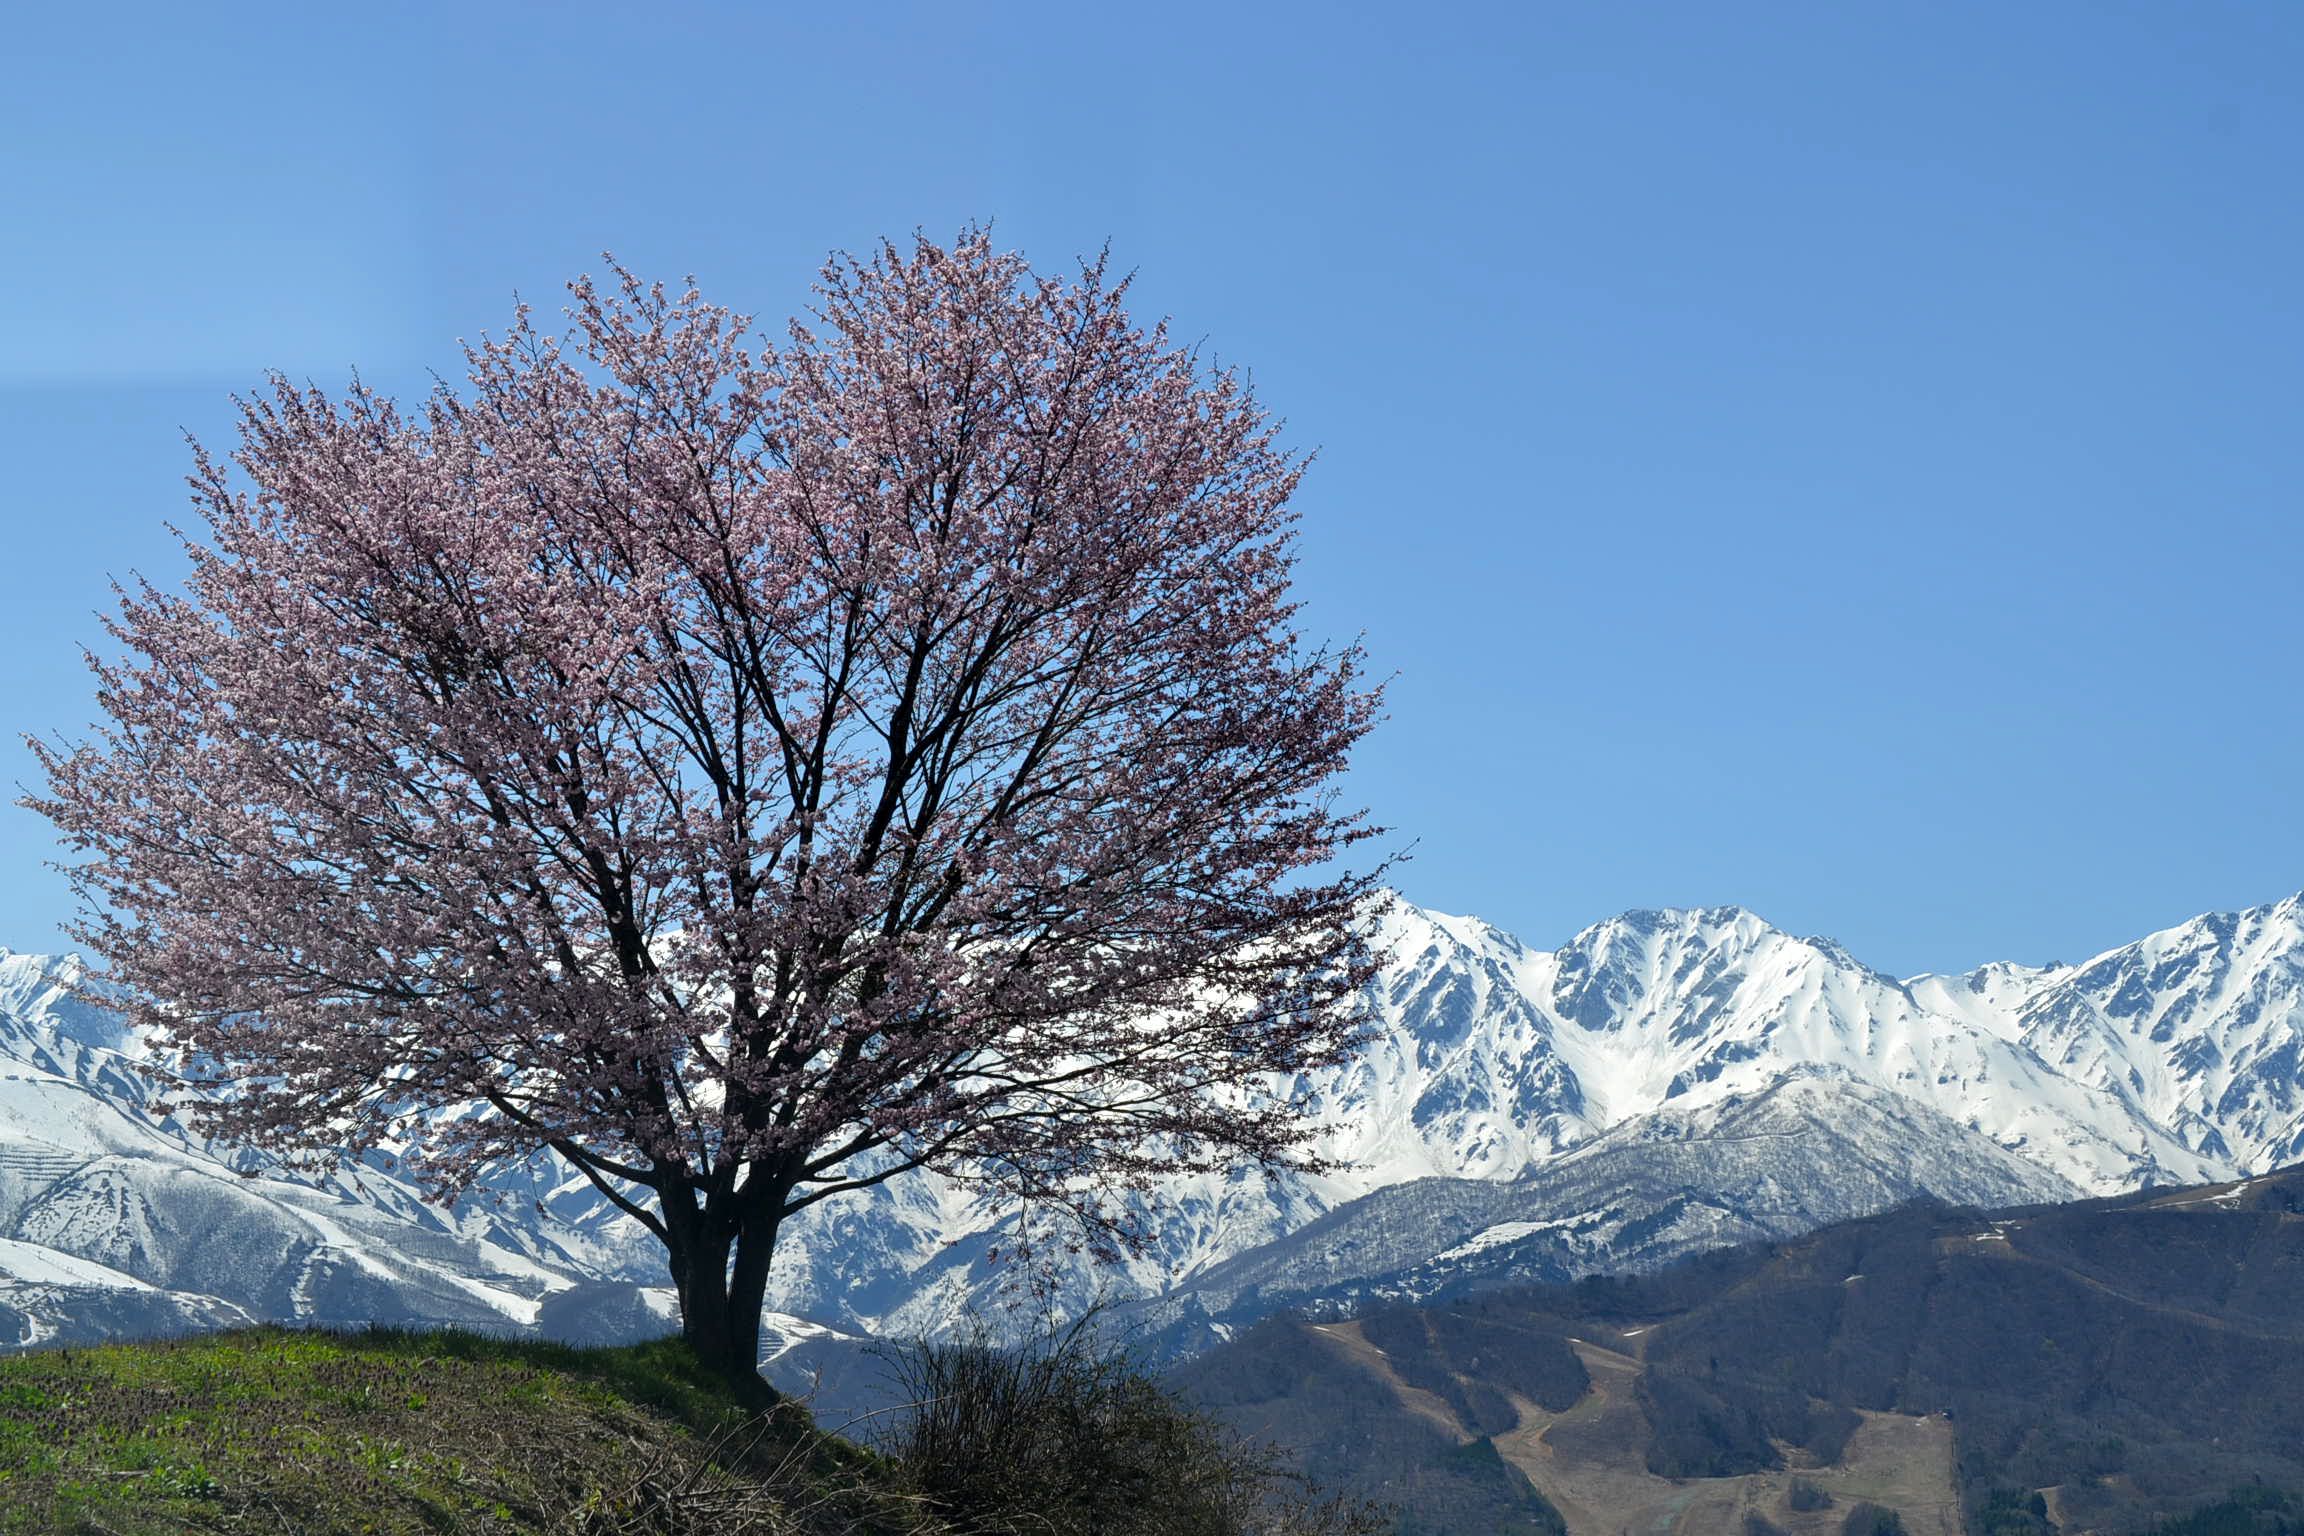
(283, 1430)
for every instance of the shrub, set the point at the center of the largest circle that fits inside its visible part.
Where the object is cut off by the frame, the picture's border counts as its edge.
(2011, 1512)
(1805, 1495)
(1871, 1520)
(1067, 1436)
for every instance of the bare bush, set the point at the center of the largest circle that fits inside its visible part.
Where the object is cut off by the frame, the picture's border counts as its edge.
(1070, 1436)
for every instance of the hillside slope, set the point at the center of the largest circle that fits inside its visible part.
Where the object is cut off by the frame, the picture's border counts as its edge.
(382, 1433)
(2126, 1358)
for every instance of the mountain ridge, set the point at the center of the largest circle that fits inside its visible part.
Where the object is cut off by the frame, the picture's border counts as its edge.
(2178, 1058)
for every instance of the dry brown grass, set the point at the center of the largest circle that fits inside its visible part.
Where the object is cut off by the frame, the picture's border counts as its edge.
(1590, 1461)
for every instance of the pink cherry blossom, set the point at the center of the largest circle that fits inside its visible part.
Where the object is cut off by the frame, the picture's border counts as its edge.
(747, 770)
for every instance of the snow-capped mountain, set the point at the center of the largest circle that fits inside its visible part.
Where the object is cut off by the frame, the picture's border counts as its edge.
(2200, 1027)
(1660, 1008)
(1814, 1147)
(1493, 1059)
(1508, 1069)
(115, 1219)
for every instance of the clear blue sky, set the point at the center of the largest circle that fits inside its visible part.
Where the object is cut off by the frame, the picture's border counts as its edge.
(1840, 459)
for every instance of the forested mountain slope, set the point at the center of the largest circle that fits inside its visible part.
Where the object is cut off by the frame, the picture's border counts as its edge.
(2125, 1358)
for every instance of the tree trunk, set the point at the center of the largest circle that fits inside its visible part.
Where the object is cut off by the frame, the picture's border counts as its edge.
(720, 1312)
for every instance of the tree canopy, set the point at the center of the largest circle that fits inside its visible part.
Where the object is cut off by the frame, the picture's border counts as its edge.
(747, 769)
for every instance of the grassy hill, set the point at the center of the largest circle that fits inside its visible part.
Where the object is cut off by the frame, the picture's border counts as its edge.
(389, 1432)
(278, 1430)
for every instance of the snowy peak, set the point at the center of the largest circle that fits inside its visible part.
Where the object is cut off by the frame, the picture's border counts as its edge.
(1623, 974)
(1664, 1007)
(1674, 1000)
(2201, 1025)
(39, 995)
(2221, 965)
(1461, 1077)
